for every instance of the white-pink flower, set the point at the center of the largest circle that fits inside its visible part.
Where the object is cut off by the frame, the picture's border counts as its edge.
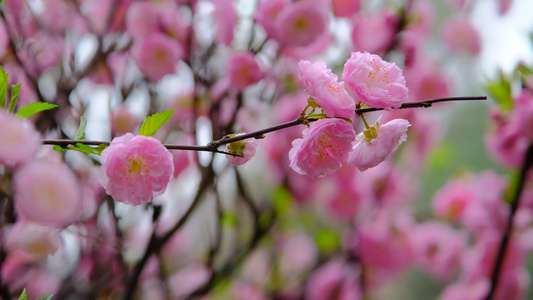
(374, 81)
(377, 143)
(47, 193)
(157, 55)
(322, 85)
(19, 140)
(323, 149)
(246, 148)
(243, 70)
(135, 169)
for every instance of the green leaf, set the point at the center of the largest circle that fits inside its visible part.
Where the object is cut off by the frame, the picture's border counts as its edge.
(80, 135)
(510, 195)
(98, 149)
(3, 87)
(34, 108)
(59, 148)
(327, 240)
(47, 297)
(84, 148)
(154, 122)
(501, 92)
(229, 219)
(15, 91)
(24, 295)
(282, 200)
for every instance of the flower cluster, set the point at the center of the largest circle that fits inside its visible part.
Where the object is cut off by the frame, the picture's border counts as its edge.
(328, 144)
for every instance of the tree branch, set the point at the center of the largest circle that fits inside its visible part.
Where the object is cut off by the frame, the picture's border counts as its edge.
(498, 264)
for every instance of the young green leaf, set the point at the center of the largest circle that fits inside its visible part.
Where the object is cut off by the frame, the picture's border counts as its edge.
(24, 295)
(15, 91)
(84, 148)
(3, 87)
(80, 135)
(34, 108)
(59, 148)
(47, 297)
(154, 122)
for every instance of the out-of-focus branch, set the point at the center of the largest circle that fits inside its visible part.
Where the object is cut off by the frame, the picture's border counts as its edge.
(498, 264)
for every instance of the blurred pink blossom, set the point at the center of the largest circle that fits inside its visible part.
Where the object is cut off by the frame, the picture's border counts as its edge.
(323, 149)
(122, 121)
(47, 193)
(376, 144)
(226, 19)
(438, 248)
(156, 55)
(267, 13)
(322, 85)
(135, 169)
(298, 254)
(241, 290)
(374, 33)
(300, 23)
(19, 139)
(345, 8)
(187, 280)
(461, 35)
(246, 148)
(141, 19)
(243, 70)
(334, 280)
(465, 290)
(375, 82)
(33, 240)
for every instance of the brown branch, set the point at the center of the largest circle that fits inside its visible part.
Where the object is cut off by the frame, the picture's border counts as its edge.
(498, 264)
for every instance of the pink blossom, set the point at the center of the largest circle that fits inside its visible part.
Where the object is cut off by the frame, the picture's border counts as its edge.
(122, 121)
(135, 169)
(267, 13)
(384, 242)
(345, 8)
(522, 114)
(321, 84)
(425, 81)
(246, 148)
(187, 280)
(376, 82)
(452, 199)
(241, 290)
(377, 143)
(47, 193)
(461, 35)
(465, 290)
(334, 280)
(243, 70)
(226, 19)
(141, 19)
(504, 6)
(323, 149)
(156, 55)
(298, 254)
(19, 139)
(374, 33)
(438, 248)
(300, 23)
(33, 240)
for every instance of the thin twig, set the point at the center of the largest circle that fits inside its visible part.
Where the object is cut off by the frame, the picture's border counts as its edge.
(259, 134)
(498, 264)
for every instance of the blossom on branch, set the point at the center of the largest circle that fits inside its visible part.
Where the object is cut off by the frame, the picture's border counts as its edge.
(323, 149)
(246, 148)
(375, 82)
(322, 85)
(377, 143)
(135, 169)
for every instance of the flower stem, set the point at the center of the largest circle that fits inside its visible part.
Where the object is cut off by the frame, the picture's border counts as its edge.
(364, 121)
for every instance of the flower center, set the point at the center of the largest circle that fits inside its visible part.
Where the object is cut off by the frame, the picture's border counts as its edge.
(135, 165)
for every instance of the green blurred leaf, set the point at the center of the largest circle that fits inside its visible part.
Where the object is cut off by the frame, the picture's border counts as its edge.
(154, 122)
(98, 149)
(510, 194)
(59, 148)
(34, 108)
(24, 295)
(15, 91)
(84, 148)
(229, 219)
(47, 297)
(501, 92)
(3, 87)
(440, 157)
(282, 200)
(80, 135)
(327, 240)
